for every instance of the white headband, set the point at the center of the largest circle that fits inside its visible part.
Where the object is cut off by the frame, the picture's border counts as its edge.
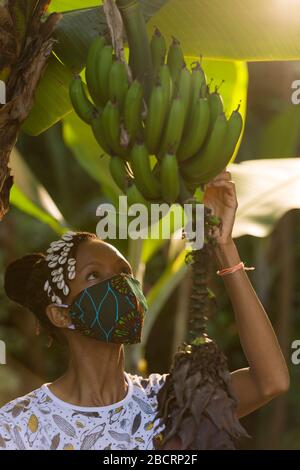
(57, 257)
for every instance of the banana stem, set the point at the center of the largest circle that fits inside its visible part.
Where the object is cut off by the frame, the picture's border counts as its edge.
(140, 60)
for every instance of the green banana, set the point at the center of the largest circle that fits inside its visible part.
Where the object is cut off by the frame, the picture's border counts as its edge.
(198, 83)
(140, 61)
(157, 111)
(166, 83)
(158, 50)
(103, 66)
(118, 83)
(174, 127)
(91, 67)
(119, 172)
(134, 196)
(196, 133)
(99, 133)
(169, 178)
(235, 126)
(196, 167)
(175, 59)
(184, 87)
(133, 108)
(110, 119)
(81, 104)
(216, 107)
(145, 181)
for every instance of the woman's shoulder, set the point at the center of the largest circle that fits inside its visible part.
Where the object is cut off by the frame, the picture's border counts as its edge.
(20, 405)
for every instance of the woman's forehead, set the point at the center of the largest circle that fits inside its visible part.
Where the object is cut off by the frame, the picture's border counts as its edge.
(98, 251)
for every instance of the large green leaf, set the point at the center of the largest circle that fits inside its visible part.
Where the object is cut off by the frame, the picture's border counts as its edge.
(248, 30)
(266, 190)
(65, 5)
(31, 197)
(79, 138)
(76, 30)
(52, 100)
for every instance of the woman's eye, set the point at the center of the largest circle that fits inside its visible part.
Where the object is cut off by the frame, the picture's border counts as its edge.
(92, 276)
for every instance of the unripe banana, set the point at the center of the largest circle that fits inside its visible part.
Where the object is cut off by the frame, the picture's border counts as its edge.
(198, 83)
(174, 127)
(200, 164)
(103, 65)
(169, 178)
(197, 131)
(118, 83)
(166, 83)
(145, 180)
(133, 108)
(119, 172)
(216, 107)
(184, 87)
(158, 50)
(110, 119)
(235, 125)
(99, 133)
(91, 67)
(157, 111)
(134, 196)
(81, 104)
(175, 59)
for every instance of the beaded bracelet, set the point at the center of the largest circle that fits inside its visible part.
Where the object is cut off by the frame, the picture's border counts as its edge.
(237, 267)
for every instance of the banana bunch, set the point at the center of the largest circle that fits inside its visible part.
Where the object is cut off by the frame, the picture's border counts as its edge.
(164, 146)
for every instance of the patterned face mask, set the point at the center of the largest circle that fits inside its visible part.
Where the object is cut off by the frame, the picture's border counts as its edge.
(112, 310)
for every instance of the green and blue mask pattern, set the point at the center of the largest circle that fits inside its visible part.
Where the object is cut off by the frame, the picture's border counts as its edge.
(112, 310)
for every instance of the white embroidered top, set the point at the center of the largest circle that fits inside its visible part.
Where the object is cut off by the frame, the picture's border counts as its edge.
(41, 421)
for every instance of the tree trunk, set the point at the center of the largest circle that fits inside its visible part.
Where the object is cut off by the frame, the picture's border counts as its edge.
(25, 46)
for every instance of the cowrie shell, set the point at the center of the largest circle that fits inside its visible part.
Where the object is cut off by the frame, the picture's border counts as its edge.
(71, 261)
(53, 298)
(53, 264)
(58, 300)
(61, 284)
(46, 285)
(62, 260)
(49, 290)
(71, 275)
(71, 267)
(65, 290)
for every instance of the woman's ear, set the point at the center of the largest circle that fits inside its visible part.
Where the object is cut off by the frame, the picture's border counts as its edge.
(59, 316)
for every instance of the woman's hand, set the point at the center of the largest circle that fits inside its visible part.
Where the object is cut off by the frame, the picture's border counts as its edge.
(220, 197)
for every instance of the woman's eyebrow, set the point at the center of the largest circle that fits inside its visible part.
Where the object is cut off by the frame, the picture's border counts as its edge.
(92, 263)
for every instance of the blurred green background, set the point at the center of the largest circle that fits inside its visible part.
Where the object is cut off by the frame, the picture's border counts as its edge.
(61, 177)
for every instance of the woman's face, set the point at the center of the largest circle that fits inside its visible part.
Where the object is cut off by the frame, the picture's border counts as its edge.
(96, 261)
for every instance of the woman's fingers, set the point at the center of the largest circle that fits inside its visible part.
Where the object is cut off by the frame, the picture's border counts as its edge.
(224, 175)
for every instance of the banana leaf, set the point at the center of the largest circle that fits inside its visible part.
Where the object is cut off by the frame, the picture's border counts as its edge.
(52, 100)
(266, 190)
(66, 5)
(29, 196)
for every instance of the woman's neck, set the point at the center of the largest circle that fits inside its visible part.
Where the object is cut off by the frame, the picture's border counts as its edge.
(95, 375)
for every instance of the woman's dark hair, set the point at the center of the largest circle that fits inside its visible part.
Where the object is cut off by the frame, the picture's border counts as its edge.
(25, 278)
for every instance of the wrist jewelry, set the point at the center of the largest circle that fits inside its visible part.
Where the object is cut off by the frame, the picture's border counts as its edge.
(232, 269)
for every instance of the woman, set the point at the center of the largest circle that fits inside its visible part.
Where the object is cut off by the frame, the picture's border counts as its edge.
(83, 290)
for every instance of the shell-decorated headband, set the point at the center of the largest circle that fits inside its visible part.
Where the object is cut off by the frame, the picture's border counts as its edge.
(57, 258)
